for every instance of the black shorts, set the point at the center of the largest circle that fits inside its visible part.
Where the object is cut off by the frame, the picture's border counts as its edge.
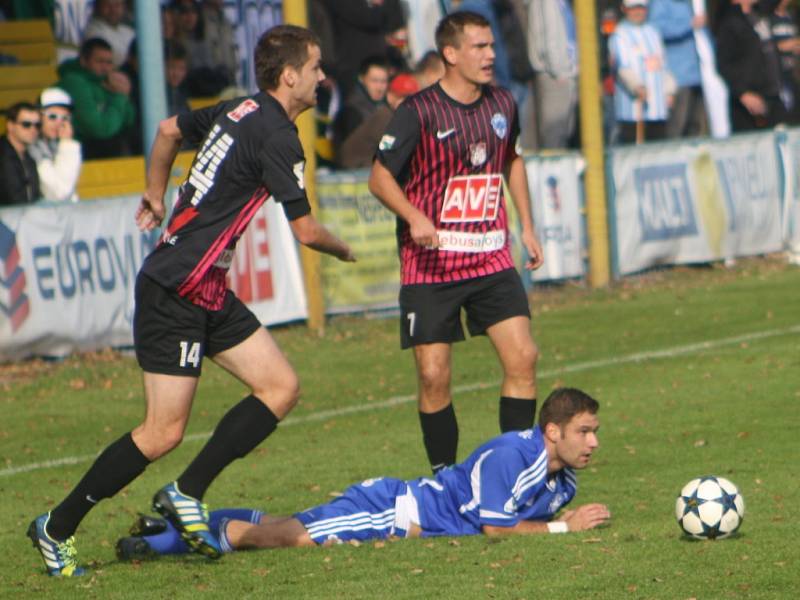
(171, 335)
(431, 313)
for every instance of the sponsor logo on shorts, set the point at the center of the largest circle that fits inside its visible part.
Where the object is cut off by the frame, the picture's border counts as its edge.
(244, 109)
(471, 198)
(225, 260)
(464, 241)
(386, 143)
(299, 170)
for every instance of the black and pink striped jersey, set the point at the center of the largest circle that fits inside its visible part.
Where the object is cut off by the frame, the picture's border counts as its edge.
(249, 152)
(449, 158)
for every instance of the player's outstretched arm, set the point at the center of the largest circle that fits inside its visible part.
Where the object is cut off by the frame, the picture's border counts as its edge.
(584, 517)
(385, 188)
(165, 148)
(310, 232)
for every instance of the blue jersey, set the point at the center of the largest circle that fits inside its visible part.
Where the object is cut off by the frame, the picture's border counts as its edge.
(503, 482)
(639, 49)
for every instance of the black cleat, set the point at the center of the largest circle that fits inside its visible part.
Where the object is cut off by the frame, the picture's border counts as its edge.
(148, 525)
(134, 548)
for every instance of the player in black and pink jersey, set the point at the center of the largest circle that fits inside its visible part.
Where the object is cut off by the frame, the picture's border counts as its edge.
(440, 168)
(249, 152)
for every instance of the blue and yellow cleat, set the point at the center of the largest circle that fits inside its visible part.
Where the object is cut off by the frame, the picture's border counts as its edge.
(60, 558)
(190, 517)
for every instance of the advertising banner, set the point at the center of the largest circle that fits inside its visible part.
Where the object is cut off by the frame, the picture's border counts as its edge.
(790, 155)
(683, 202)
(556, 199)
(266, 273)
(348, 209)
(67, 274)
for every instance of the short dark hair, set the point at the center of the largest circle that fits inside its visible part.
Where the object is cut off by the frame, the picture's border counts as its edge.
(280, 47)
(375, 60)
(451, 28)
(90, 45)
(12, 112)
(430, 60)
(564, 403)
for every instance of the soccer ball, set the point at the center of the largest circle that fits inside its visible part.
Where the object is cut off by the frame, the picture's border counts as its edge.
(709, 508)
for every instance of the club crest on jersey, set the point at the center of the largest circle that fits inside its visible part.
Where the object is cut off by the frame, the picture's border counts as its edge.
(470, 198)
(477, 154)
(244, 109)
(556, 503)
(500, 125)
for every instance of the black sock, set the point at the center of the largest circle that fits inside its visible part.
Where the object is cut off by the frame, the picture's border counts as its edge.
(242, 428)
(118, 465)
(516, 414)
(440, 435)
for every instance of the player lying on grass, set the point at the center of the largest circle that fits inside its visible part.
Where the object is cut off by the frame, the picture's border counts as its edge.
(514, 483)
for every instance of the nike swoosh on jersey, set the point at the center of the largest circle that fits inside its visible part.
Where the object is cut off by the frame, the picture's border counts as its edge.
(440, 135)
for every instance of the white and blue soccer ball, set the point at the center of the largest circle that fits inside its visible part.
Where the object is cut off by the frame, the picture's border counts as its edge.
(709, 508)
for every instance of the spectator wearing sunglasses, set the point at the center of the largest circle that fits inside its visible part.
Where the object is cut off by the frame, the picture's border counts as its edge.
(56, 152)
(19, 181)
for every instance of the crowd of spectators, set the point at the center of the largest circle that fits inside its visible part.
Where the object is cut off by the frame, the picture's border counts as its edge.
(651, 71)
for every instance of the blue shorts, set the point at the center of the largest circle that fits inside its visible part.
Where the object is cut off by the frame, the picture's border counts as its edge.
(370, 510)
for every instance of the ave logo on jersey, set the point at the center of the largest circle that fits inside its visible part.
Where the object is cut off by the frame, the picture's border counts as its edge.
(470, 198)
(244, 109)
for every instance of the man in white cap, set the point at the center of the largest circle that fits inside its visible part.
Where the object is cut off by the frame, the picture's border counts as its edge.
(57, 154)
(645, 88)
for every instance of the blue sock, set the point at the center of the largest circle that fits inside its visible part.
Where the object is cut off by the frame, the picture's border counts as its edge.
(249, 515)
(170, 542)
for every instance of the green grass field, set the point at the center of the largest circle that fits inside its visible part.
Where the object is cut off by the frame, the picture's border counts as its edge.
(697, 372)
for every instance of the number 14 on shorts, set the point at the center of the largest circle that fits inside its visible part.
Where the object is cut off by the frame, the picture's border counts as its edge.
(190, 354)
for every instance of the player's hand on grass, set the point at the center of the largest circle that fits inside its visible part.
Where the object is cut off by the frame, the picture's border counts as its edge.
(534, 248)
(585, 517)
(149, 214)
(423, 232)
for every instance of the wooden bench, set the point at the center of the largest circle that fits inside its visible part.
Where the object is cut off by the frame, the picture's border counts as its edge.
(13, 77)
(31, 53)
(25, 31)
(124, 176)
(9, 97)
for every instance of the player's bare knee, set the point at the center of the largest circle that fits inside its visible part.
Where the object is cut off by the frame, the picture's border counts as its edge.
(434, 376)
(156, 441)
(169, 438)
(280, 394)
(522, 362)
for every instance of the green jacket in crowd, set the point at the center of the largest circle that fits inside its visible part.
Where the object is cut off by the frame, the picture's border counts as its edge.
(98, 114)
